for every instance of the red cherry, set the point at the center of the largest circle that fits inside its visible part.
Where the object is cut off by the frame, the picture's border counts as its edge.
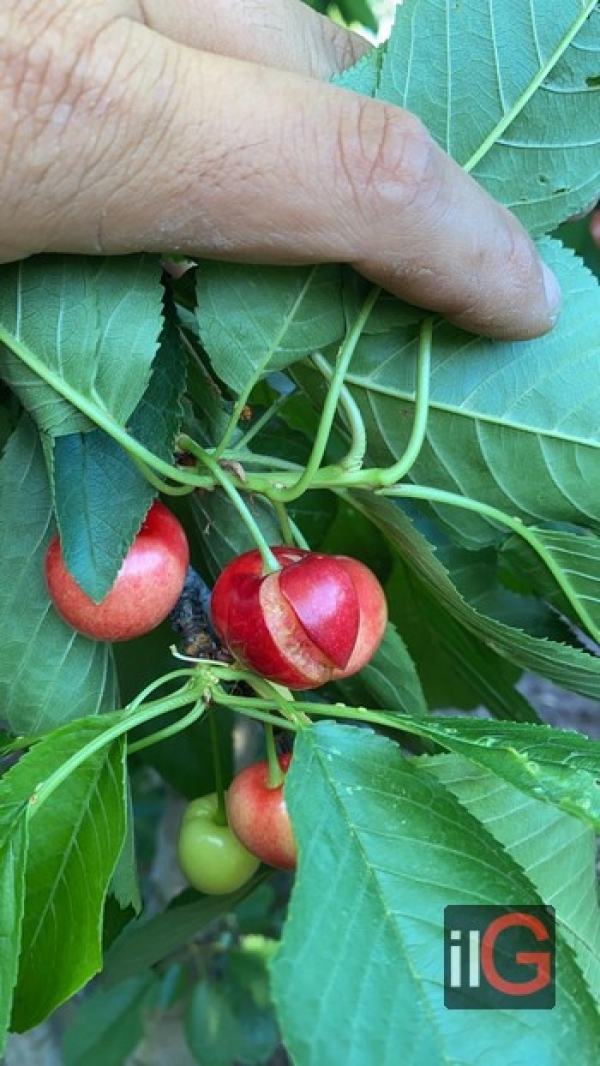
(146, 588)
(259, 817)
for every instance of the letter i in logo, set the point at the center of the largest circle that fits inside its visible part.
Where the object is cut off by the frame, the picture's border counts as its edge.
(456, 980)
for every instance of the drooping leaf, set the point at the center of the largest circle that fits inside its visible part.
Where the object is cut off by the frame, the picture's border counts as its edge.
(529, 131)
(147, 941)
(76, 836)
(83, 328)
(48, 673)
(101, 497)
(109, 1024)
(557, 853)
(567, 666)
(512, 425)
(388, 849)
(258, 319)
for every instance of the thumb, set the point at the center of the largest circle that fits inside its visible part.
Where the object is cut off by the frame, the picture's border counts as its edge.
(171, 149)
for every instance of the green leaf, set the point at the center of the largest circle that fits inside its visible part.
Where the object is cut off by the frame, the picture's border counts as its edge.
(76, 837)
(515, 426)
(389, 680)
(108, 1025)
(528, 130)
(255, 319)
(247, 986)
(13, 857)
(557, 853)
(569, 667)
(387, 847)
(48, 673)
(576, 556)
(149, 940)
(90, 324)
(557, 766)
(455, 667)
(101, 497)
(224, 535)
(363, 77)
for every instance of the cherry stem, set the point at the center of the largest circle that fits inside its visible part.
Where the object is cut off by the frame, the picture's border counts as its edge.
(336, 384)
(276, 775)
(220, 817)
(270, 562)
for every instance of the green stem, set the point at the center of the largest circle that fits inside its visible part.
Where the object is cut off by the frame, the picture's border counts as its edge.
(275, 694)
(127, 722)
(348, 474)
(299, 538)
(344, 356)
(158, 682)
(355, 455)
(169, 731)
(419, 427)
(287, 533)
(276, 776)
(99, 415)
(220, 817)
(451, 499)
(159, 483)
(233, 423)
(252, 708)
(237, 500)
(255, 428)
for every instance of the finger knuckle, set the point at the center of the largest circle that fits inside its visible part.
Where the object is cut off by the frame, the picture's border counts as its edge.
(388, 158)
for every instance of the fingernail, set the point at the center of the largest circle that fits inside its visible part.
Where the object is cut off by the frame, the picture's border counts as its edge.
(553, 293)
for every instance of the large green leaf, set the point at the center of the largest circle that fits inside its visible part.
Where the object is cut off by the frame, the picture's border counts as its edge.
(48, 673)
(386, 847)
(101, 497)
(513, 425)
(89, 325)
(256, 319)
(510, 90)
(567, 666)
(557, 852)
(75, 838)
(13, 857)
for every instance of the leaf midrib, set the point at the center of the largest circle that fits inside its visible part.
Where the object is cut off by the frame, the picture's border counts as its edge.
(395, 393)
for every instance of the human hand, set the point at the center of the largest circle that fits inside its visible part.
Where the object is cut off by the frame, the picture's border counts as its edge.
(207, 127)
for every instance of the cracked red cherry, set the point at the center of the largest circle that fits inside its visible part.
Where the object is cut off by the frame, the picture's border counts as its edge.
(317, 618)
